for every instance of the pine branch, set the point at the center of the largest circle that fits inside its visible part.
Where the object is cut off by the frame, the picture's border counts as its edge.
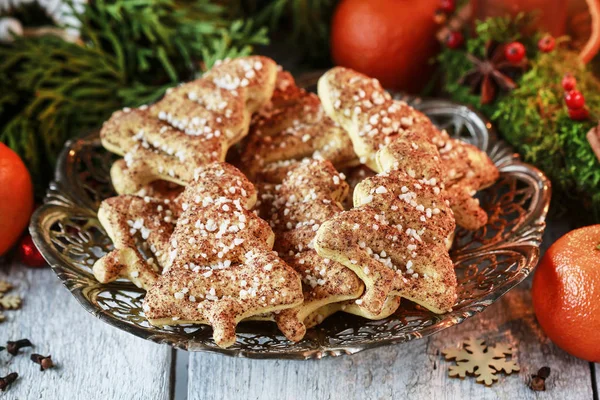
(225, 45)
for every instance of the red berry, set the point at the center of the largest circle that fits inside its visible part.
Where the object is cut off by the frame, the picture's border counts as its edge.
(448, 6)
(574, 99)
(546, 44)
(514, 52)
(29, 254)
(568, 82)
(579, 114)
(454, 40)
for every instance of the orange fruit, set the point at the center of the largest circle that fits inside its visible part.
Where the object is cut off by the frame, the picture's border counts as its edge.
(16, 197)
(391, 40)
(566, 293)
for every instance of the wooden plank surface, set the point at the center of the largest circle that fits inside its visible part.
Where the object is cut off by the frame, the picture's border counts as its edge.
(97, 361)
(94, 360)
(511, 320)
(411, 370)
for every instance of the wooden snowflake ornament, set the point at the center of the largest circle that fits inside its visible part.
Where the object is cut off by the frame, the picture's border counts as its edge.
(7, 302)
(5, 287)
(475, 358)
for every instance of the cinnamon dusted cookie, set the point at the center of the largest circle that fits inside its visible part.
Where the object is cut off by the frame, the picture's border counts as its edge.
(221, 268)
(128, 219)
(290, 128)
(194, 124)
(375, 122)
(350, 307)
(309, 195)
(396, 236)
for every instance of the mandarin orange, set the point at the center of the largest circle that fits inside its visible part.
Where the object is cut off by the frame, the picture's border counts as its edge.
(391, 40)
(566, 293)
(16, 197)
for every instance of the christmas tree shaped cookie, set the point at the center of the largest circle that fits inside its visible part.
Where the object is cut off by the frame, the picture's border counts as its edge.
(194, 124)
(308, 196)
(396, 236)
(290, 128)
(128, 219)
(375, 122)
(221, 268)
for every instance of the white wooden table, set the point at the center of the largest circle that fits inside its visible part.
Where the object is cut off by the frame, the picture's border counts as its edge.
(96, 361)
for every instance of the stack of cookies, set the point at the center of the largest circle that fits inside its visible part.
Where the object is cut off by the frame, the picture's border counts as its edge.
(275, 235)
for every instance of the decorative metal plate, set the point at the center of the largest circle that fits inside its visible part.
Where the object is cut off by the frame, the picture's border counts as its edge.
(489, 262)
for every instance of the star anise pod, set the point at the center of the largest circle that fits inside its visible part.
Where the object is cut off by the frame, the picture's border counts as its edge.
(492, 73)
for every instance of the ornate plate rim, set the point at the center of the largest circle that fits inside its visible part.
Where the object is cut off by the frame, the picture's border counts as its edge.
(508, 161)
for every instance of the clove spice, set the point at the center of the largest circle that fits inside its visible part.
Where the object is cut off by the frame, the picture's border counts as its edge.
(14, 347)
(7, 380)
(45, 362)
(538, 381)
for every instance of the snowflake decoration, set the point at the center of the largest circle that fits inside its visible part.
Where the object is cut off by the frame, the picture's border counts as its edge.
(7, 302)
(11, 302)
(5, 287)
(475, 358)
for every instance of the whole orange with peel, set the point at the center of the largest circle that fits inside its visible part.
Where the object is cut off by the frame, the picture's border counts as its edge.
(391, 40)
(16, 197)
(566, 293)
